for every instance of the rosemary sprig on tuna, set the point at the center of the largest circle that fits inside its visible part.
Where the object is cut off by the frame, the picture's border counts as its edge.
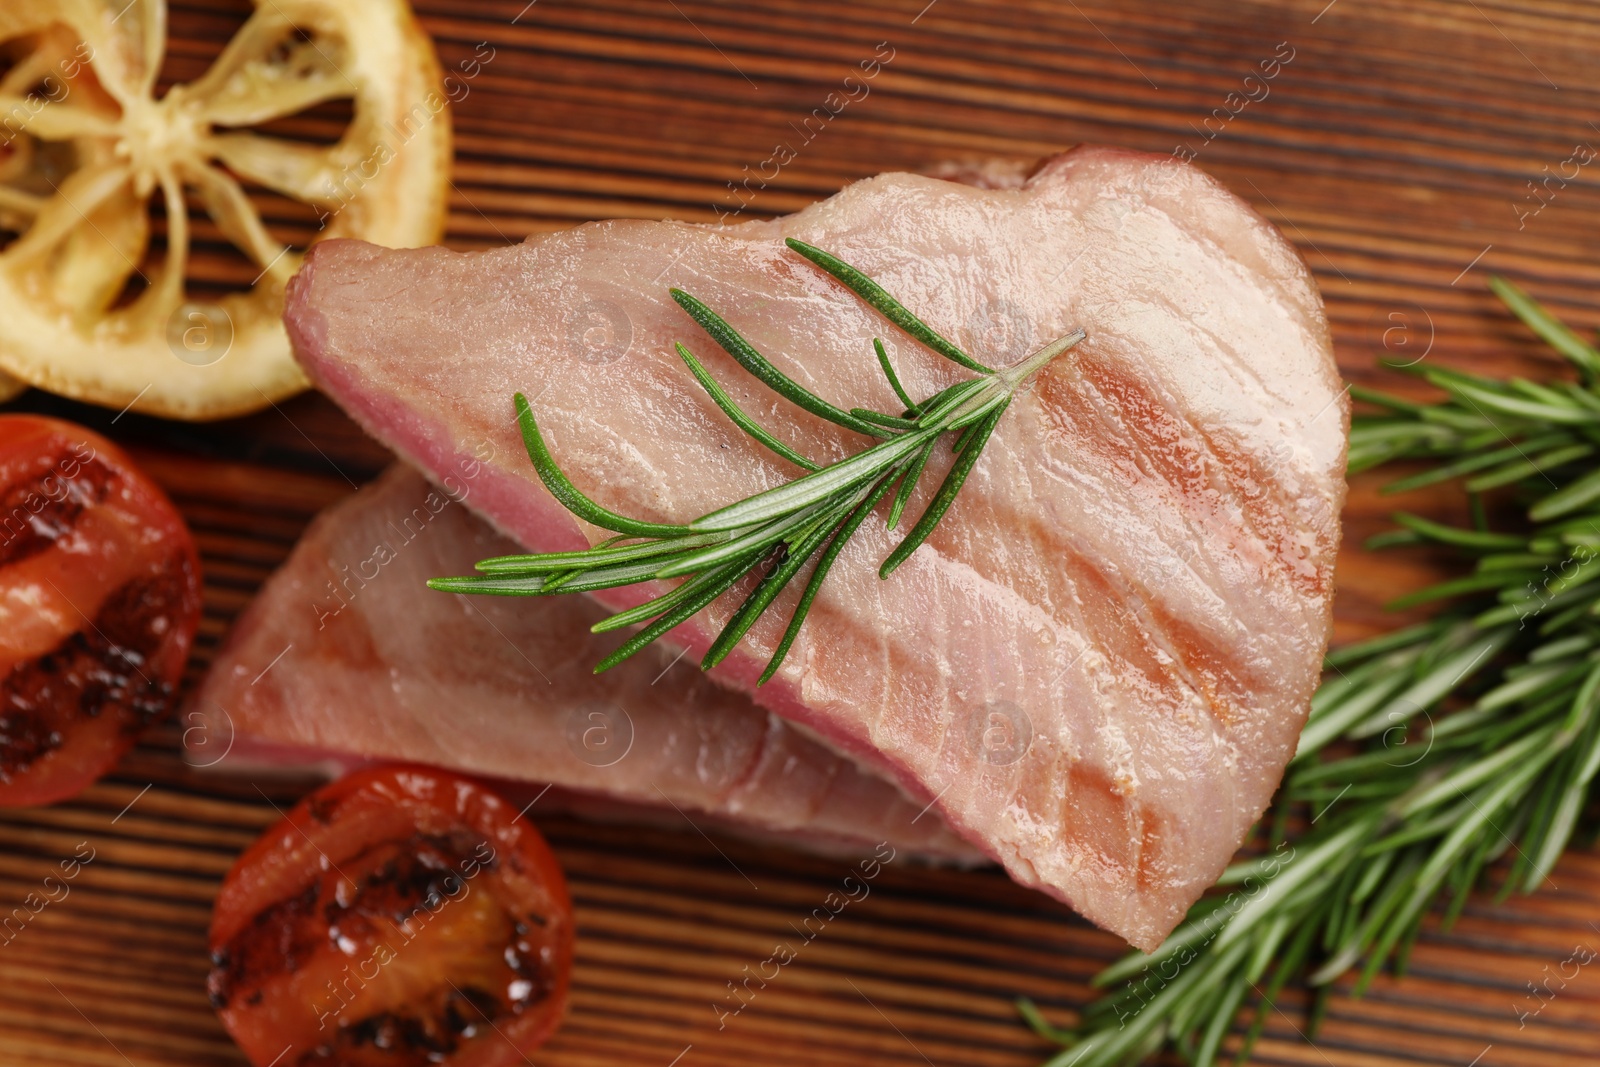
(781, 530)
(1431, 752)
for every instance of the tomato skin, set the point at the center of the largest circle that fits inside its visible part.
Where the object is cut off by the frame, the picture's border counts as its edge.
(384, 920)
(99, 602)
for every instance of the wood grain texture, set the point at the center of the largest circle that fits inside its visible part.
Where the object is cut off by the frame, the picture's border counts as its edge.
(1394, 149)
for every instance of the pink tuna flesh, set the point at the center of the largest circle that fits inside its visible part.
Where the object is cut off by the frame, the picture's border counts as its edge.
(346, 657)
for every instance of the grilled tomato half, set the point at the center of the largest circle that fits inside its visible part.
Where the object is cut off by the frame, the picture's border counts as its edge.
(399, 916)
(99, 602)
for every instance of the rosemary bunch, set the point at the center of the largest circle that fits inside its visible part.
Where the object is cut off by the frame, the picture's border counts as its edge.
(784, 528)
(1431, 752)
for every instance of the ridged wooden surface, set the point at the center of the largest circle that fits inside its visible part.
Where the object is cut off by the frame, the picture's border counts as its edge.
(1394, 150)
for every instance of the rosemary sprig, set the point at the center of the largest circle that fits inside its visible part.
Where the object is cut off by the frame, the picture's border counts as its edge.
(785, 528)
(1431, 752)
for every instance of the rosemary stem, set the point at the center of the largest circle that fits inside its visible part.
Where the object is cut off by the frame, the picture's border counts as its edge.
(1018, 373)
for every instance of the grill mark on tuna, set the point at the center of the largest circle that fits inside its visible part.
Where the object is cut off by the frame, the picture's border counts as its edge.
(1168, 669)
(1119, 633)
(1170, 656)
(1098, 818)
(1293, 554)
(103, 668)
(1149, 868)
(38, 512)
(1218, 483)
(1219, 680)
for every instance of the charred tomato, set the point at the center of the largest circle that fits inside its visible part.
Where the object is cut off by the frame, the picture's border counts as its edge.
(99, 602)
(399, 916)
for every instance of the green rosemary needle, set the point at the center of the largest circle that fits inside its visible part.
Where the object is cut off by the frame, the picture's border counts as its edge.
(785, 528)
(1430, 753)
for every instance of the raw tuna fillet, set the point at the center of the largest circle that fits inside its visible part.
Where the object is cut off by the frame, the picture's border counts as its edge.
(1099, 665)
(346, 656)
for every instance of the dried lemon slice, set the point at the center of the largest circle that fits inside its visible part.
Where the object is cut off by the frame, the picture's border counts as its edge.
(85, 143)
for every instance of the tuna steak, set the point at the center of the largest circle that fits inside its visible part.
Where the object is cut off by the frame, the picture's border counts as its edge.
(346, 657)
(1099, 665)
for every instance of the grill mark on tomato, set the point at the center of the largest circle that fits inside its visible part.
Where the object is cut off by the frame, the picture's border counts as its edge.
(36, 513)
(104, 668)
(276, 940)
(422, 873)
(281, 937)
(407, 882)
(321, 810)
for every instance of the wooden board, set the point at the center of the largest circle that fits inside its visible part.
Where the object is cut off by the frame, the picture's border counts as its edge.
(1395, 148)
